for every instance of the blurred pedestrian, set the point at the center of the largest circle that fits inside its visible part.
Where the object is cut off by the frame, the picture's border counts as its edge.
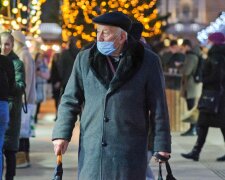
(42, 75)
(115, 115)
(213, 80)
(55, 80)
(23, 53)
(7, 81)
(173, 59)
(190, 89)
(66, 62)
(11, 141)
(135, 32)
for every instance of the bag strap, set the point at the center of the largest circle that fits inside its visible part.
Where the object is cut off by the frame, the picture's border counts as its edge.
(169, 172)
(160, 172)
(24, 105)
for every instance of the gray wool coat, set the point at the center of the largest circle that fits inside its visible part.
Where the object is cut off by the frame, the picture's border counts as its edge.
(115, 118)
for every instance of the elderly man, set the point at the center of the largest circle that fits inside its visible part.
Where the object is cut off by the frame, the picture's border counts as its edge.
(115, 83)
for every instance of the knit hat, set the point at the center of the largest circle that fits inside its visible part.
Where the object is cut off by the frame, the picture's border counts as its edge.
(217, 38)
(19, 36)
(116, 18)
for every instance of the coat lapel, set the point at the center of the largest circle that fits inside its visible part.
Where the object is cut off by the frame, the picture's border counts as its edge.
(99, 67)
(128, 66)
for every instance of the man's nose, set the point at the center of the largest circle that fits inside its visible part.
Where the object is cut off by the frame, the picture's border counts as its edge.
(100, 37)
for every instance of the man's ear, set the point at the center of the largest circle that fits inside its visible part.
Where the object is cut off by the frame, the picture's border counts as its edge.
(123, 37)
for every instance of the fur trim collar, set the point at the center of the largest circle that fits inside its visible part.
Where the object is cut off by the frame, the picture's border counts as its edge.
(129, 64)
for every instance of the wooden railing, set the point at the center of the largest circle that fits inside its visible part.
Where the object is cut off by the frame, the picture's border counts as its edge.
(176, 104)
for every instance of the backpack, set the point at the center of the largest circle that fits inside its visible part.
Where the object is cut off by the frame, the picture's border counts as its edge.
(198, 72)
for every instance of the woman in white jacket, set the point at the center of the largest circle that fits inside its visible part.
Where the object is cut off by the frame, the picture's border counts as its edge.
(22, 51)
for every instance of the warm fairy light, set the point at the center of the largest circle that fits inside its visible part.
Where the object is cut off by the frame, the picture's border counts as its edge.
(15, 19)
(14, 10)
(24, 21)
(44, 47)
(5, 3)
(19, 19)
(56, 47)
(20, 5)
(24, 8)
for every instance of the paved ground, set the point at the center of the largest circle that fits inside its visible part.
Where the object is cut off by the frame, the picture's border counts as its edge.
(43, 159)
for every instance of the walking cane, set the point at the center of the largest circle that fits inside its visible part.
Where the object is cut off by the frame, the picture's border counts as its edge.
(58, 173)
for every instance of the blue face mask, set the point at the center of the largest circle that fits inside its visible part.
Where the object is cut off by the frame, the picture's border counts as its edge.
(209, 46)
(106, 48)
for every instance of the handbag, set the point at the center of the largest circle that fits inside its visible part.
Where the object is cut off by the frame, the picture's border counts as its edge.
(27, 122)
(209, 101)
(169, 172)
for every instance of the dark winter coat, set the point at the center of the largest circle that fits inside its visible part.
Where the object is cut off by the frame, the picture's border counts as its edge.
(66, 62)
(54, 76)
(115, 116)
(214, 65)
(11, 141)
(7, 78)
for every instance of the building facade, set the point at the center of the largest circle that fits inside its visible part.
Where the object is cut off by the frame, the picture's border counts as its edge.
(188, 17)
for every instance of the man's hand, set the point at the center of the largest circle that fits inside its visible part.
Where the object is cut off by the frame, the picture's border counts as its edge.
(162, 156)
(60, 146)
(165, 154)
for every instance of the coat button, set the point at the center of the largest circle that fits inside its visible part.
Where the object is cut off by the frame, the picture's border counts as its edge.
(106, 119)
(104, 144)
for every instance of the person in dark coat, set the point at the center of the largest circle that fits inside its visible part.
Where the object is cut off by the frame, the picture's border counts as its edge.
(55, 79)
(173, 58)
(115, 84)
(66, 61)
(135, 32)
(11, 141)
(213, 79)
(7, 81)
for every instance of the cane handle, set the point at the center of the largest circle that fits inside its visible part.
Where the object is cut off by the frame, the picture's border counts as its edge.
(59, 159)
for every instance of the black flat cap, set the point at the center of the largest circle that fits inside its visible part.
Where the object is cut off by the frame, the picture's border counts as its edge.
(116, 18)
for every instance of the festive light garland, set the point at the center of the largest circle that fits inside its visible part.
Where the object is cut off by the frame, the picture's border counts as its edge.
(77, 16)
(217, 26)
(22, 15)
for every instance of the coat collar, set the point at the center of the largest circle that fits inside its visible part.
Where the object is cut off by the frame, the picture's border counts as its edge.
(129, 64)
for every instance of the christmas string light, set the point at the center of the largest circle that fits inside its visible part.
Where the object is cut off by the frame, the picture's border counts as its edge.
(24, 17)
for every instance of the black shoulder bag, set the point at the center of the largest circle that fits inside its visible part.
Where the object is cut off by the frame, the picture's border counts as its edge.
(168, 169)
(24, 104)
(169, 172)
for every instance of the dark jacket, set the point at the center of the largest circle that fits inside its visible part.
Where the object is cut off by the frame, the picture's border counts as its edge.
(213, 71)
(169, 59)
(66, 62)
(11, 141)
(55, 76)
(7, 78)
(115, 118)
